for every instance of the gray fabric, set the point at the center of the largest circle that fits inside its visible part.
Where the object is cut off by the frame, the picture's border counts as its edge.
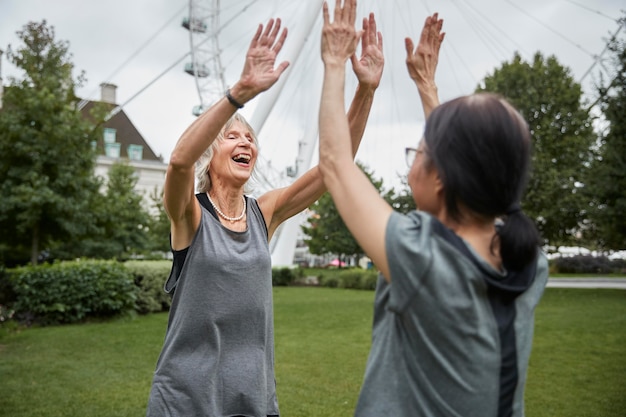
(435, 340)
(218, 355)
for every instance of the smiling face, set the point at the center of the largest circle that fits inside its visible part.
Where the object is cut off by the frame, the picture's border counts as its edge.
(235, 156)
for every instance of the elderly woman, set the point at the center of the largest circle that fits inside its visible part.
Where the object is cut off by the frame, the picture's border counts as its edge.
(462, 275)
(218, 354)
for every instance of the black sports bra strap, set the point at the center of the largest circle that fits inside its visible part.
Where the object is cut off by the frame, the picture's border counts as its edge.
(204, 202)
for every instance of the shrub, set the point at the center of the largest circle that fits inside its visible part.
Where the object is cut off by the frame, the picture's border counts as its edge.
(149, 278)
(584, 264)
(350, 278)
(68, 292)
(285, 276)
(6, 314)
(356, 278)
(619, 266)
(369, 280)
(329, 279)
(7, 295)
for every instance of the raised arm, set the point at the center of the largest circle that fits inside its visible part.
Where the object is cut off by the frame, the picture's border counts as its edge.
(368, 70)
(279, 205)
(361, 207)
(422, 61)
(257, 76)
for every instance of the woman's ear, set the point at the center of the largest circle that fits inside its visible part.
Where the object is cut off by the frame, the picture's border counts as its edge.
(438, 183)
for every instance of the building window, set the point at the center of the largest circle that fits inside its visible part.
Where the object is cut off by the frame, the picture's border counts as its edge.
(112, 150)
(135, 152)
(109, 135)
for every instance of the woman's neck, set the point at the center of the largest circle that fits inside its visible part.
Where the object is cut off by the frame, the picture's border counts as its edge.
(480, 234)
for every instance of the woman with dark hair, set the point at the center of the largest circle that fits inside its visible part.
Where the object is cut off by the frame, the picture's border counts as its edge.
(462, 275)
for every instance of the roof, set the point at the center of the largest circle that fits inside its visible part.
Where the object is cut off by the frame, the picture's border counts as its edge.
(126, 132)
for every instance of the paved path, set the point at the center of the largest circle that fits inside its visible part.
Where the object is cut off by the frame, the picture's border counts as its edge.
(614, 283)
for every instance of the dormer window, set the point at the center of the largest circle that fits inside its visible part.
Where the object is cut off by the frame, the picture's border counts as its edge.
(112, 150)
(109, 135)
(135, 152)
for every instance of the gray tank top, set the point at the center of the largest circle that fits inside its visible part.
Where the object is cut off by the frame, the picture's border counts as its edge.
(218, 354)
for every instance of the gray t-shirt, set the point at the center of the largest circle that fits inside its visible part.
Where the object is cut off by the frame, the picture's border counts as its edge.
(218, 355)
(451, 335)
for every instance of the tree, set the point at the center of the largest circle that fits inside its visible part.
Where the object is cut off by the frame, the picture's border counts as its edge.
(607, 180)
(327, 233)
(121, 220)
(401, 200)
(158, 226)
(46, 160)
(550, 101)
(128, 220)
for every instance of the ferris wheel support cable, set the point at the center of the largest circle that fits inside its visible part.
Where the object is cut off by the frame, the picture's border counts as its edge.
(550, 28)
(119, 107)
(598, 57)
(291, 51)
(133, 55)
(144, 45)
(284, 245)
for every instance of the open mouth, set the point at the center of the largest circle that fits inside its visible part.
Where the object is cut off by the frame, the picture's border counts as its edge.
(242, 158)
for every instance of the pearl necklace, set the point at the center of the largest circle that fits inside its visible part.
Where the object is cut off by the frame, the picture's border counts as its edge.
(230, 219)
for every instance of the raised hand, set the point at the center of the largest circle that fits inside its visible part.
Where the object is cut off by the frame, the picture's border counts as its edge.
(258, 72)
(339, 38)
(369, 68)
(422, 61)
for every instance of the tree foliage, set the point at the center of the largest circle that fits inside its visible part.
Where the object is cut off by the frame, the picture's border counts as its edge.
(402, 199)
(46, 161)
(121, 221)
(607, 180)
(127, 220)
(326, 231)
(158, 225)
(551, 102)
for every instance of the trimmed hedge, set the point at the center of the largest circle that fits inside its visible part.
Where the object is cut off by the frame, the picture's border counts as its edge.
(149, 278)
(282, 276)
(369, 280)
(587, 264)
(72, 291)
(353, 278)
(68, 292)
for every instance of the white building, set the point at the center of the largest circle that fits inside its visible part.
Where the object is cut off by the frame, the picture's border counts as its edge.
(122, 142)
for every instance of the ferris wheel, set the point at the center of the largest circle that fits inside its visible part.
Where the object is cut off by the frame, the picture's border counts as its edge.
(205, 66)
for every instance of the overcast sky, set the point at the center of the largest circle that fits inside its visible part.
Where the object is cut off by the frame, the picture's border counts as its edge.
(133, 43)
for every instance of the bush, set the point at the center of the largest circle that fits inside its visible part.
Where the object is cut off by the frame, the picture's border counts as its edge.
(6, 314)
(369, 280)
(68, 292)
(329, 278)
(7, 295)
(350, 278)
(285, 276)
(586, 264)
(149, 278)
(354, 278)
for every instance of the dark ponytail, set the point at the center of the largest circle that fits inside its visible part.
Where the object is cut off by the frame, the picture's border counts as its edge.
(481, 148)
(519, 241)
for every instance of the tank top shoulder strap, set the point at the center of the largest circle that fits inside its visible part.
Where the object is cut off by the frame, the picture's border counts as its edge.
(204, 202)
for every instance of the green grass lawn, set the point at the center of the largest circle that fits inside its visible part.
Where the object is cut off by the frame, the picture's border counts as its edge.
(578, 365)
